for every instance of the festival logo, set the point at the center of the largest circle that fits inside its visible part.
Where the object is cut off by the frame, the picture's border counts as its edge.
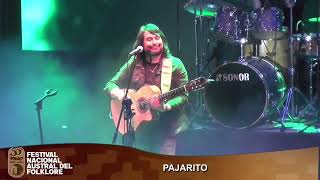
(16, 162)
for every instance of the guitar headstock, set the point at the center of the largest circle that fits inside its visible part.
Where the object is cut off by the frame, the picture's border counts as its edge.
(196, 84)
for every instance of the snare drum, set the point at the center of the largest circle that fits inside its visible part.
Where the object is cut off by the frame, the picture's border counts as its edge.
(267, 23)
(244, 93)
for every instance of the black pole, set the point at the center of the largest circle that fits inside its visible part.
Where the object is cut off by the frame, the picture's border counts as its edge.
(201, 49)
(292, 64)
(129, 136)
(178, 29)
(196, 48)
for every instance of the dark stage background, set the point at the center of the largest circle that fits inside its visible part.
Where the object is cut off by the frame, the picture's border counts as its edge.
(76, 51)
(75, 46)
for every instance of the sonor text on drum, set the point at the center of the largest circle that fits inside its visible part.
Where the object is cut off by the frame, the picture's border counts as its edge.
(233, 77)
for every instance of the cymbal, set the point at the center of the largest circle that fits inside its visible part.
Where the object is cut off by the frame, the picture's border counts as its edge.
(209, 9)
(245, 5)
(314, 20)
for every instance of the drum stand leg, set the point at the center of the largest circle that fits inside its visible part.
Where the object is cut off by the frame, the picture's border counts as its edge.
(285, 110)
(290, 95)
(289, 100)
(310, 111)
(199, 109)
(199, 117)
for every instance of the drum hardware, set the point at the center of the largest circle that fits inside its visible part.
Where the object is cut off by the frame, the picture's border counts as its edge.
(236, 23)
(272, 54)
(309, 110)
(268, 23)
(238, 29)
(198, 5)
(307, 45)
(247, 25)
(242, 42)
(290, 94)
(208, 9)
(276, 50)
(229, 24)
(314, 19)
(200, 9)
(311, 67)
(311, 52)
(245, 93)
(307, 48)
(243, 4)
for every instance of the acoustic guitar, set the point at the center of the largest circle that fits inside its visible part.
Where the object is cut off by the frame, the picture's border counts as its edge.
(141, 106)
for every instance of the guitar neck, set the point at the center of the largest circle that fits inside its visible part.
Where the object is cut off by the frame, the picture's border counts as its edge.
(173, 93)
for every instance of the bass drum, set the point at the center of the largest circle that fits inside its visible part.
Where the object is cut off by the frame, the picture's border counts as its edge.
(244, 93)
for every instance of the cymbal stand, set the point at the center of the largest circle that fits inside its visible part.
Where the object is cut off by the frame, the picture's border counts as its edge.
(242, 40)
(290, 94)
(199, 49)
(198, 111)
(310, 111)
(198, 45)
(311, 66)
(312, 102)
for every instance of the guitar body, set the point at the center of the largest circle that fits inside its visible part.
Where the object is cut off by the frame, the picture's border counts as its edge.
(140, 102)
(140, 107)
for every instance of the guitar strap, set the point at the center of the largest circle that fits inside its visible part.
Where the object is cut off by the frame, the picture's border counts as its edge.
(166, 75)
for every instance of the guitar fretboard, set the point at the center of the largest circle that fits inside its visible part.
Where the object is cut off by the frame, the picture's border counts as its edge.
(173, 93)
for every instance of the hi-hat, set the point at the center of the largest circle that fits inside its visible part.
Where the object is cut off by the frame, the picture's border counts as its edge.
(209, 9)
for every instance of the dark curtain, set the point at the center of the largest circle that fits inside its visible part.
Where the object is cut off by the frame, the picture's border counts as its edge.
(10, 19)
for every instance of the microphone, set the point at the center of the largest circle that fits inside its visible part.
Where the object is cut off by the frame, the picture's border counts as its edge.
(49, 93)
(136, 51)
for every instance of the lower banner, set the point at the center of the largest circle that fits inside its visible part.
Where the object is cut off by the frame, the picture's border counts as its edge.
(91, 161)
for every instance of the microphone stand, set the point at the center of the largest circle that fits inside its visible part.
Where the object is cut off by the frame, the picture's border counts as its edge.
(128, 138)
(38, 104)
(196, 45)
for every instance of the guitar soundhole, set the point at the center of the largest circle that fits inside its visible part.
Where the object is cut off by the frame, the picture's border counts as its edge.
(143, 105)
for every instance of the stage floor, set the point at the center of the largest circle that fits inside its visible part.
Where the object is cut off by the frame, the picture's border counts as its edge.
(217, 140)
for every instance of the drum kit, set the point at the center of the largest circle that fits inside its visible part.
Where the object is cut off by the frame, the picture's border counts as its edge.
(249, 90)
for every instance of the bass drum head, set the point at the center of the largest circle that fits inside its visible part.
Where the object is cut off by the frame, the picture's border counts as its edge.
(240, 95)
